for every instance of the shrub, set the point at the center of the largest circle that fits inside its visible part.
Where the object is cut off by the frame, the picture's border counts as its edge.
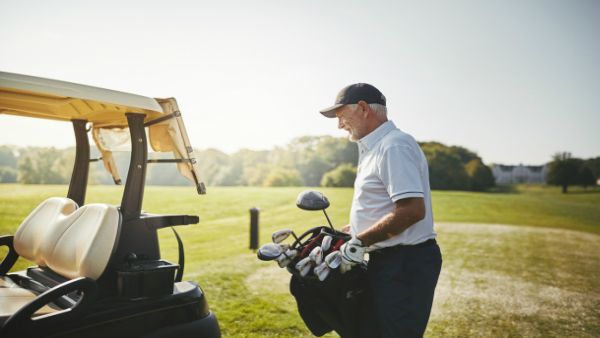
(446, 172)
(480, 175)
(342, 176)
(283, 178)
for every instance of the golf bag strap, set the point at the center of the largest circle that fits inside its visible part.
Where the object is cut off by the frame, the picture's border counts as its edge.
(181, 262)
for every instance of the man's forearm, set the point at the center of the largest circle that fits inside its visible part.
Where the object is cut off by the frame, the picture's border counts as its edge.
(395, 222)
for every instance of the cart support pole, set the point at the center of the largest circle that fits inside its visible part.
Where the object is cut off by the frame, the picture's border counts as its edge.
(131, 205)
(81, 170)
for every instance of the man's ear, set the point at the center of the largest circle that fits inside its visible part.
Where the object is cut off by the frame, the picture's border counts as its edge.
(364, 108)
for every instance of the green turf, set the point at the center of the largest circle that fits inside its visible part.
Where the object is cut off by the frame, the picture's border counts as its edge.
(250, 296)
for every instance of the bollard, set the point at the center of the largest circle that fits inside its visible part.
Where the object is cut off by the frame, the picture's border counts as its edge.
(254, 227)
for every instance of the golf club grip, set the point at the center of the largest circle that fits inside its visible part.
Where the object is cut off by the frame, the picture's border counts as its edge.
(338, 245)
(312, 244)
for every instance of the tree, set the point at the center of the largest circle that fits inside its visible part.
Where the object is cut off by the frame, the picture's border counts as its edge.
(564, 171)
(480, 175)
(594, 165)
(587, 177)
(27, 172)
(8, 174)
(44, 166)
(281, 177)
(446, 172)
(342, 176)
(7, 157)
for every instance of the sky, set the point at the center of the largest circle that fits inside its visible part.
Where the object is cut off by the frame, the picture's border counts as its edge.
(514, 81)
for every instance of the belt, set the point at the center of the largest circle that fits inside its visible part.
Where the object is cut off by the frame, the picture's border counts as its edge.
(399, 247)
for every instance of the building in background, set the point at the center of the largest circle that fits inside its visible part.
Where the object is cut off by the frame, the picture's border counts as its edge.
(520, 173)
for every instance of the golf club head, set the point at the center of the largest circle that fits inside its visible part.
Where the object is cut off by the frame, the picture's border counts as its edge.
(322, 271)
(333, 260)
(286, 258)
(312, 200)
(326, 244)
(285, 246)
(269, 252)
(316, 255)
(280, 235)
(304, 266)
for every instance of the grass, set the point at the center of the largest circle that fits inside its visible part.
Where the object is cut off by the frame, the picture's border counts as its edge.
(496, 280)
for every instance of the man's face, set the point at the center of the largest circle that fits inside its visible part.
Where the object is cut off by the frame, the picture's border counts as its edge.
(352, 122)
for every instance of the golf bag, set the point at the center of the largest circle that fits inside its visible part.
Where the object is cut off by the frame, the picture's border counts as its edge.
(341, 303)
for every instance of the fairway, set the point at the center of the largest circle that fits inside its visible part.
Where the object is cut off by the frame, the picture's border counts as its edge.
(497, 280)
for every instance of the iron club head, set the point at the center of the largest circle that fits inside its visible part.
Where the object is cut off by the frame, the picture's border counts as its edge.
(316, 255)
(326, 244)
(322, 271)
(333, 260)
(304, 266)
(280, 235)
(286, 258)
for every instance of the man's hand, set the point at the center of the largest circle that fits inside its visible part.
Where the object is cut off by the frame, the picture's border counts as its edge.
(353, 253)
(346, 229)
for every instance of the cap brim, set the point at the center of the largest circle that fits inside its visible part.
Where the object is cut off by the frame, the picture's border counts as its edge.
(330, 112)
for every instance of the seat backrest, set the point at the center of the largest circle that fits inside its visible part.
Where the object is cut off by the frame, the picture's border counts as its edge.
(32, 231)
(72, 242)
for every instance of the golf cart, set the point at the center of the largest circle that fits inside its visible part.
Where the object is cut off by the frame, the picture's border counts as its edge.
(99, 271)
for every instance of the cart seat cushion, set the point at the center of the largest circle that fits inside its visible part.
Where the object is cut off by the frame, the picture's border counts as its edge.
(29, 236)
(79, 244)
(13, 297)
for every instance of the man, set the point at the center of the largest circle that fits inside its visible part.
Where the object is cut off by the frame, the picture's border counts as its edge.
(391, 216)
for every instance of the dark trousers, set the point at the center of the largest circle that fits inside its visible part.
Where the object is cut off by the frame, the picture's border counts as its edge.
(403, 283)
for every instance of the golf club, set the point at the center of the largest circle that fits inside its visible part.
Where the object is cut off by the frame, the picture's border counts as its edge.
(314, 200)
(316, 256)
(304, 266)
(322, 271)
(326, 244)
(269, 252)
(286, 258)
(280, 235)
(333, 260)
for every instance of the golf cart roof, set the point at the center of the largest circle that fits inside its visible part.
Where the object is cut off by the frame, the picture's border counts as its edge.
(38, 97)
(107, 111)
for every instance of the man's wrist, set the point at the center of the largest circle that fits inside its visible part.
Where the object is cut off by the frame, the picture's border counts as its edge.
(362, 242)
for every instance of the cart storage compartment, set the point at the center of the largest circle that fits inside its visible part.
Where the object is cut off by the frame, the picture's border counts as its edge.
(146, 279)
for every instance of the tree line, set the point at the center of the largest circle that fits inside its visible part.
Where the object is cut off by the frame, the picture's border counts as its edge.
(306, 161)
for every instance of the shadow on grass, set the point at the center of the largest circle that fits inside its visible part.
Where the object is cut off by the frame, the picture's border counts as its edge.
(585, 191)
(504, 189)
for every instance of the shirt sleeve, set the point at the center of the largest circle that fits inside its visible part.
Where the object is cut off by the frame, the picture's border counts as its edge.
(400, 173)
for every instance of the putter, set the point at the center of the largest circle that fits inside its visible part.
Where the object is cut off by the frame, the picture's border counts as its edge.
(322, 271)
(316, 255)
(280, 235)
(326, 244)
(304, 266)
(333, 260)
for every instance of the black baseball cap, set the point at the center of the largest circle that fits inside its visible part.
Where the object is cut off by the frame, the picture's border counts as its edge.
(353, 94)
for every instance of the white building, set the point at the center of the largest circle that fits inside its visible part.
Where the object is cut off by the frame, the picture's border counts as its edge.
(520, 173)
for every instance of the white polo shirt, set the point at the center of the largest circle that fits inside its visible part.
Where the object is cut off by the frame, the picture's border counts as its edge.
(391, 166)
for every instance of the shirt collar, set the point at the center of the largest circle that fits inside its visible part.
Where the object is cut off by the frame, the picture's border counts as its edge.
(371, 139)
